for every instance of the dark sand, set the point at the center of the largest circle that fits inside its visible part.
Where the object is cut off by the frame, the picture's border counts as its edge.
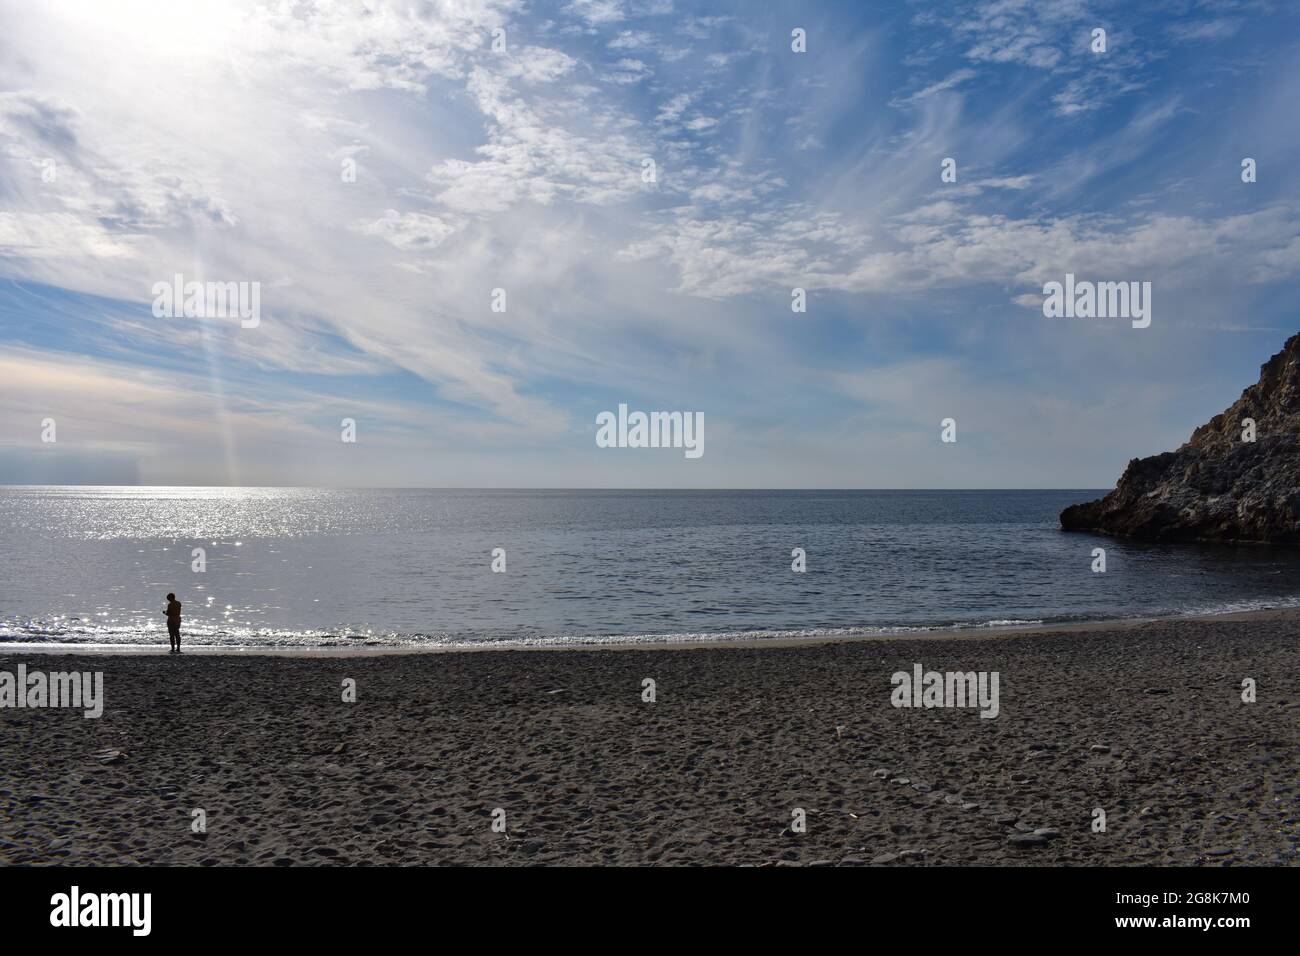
(588, 773)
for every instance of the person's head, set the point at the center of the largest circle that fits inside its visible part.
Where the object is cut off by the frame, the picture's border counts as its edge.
(171, 597)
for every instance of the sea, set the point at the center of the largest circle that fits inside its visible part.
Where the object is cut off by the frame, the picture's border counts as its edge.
(314, 568)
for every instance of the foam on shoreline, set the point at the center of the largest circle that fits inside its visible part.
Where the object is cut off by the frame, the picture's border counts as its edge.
(996, 629)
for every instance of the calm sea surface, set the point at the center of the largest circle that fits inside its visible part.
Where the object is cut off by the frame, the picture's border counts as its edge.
(345, 567)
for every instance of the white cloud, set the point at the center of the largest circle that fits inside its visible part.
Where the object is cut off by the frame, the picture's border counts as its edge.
(411, 231)
(951, 81)
(671, 111)
(537, 64)
(527, 158)
(1049, 36)
(628, 70)
(62, 236)
(598, 12)
(631, 40)
(522, 170)
(941, 244)
(1218, 29)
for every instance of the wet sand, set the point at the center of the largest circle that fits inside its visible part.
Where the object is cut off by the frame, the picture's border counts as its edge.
(1143, 721)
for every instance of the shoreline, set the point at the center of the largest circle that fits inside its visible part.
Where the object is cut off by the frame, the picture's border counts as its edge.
(1001, 632)
(1147, 723)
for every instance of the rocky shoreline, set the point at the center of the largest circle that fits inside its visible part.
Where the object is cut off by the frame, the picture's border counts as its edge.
(1236, 480)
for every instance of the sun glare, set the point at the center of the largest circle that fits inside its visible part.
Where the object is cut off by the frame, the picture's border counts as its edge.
(162, 29)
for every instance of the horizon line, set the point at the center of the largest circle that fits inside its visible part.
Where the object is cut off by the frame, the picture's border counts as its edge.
(547, 487)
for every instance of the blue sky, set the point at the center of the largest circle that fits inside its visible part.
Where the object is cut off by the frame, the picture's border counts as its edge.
(209, 139)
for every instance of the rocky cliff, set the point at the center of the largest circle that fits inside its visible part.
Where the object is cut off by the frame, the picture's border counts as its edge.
(1218, 486)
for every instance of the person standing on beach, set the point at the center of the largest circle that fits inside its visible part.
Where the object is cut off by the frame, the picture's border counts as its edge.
(174, 623)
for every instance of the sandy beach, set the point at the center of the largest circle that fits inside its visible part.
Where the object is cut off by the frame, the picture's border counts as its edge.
(1144, 722)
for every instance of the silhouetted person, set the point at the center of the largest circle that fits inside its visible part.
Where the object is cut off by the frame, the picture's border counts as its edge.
(174, 623)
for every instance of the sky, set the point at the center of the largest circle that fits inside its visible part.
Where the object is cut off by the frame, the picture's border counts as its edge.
(378, 169)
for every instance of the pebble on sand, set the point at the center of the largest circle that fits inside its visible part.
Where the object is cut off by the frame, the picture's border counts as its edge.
(1026, 839)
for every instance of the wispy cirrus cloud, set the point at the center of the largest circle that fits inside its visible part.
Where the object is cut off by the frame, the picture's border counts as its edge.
(212, 141)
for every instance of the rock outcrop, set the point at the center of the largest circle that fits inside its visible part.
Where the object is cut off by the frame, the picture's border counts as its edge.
(1218, 486)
